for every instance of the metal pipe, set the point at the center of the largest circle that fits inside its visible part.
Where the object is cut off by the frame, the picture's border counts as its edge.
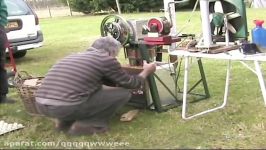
(206, 27)
(169, 13)
(118, 7)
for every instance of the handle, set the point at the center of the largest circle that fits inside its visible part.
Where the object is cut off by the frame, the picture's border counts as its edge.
(21, 75)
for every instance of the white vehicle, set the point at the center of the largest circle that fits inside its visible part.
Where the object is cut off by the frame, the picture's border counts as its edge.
(23, 29)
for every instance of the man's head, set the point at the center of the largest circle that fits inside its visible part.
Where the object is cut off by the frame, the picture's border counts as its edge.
(108, 44)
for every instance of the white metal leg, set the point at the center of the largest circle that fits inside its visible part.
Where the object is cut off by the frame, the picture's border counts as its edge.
(185, 87)
(227, 82)
(261, 80)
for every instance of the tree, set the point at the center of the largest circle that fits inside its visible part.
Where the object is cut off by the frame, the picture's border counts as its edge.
(91, 6)
(84, 6)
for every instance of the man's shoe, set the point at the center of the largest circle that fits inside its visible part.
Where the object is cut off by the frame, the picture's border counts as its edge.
(5, 100)
(62, 125)
(84, 129)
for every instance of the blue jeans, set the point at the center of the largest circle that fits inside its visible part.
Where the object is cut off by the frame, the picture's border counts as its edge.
(3, 73)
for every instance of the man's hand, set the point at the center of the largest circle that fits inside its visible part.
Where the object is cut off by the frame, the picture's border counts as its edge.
(147, 69)
(150, 68)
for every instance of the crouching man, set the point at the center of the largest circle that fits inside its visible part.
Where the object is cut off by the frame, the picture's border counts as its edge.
(74, 90)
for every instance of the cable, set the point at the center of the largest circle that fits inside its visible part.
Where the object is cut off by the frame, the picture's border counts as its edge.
(189, 19)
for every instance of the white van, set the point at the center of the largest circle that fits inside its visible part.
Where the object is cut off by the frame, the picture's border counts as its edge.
(23, 29)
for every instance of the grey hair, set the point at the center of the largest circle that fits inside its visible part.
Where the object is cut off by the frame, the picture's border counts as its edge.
(109, 44)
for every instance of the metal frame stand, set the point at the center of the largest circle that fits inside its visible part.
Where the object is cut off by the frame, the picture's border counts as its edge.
(151, 80)
(257, 71)
(203, 81)
(154, 90)
(186, 74)
(233, 55)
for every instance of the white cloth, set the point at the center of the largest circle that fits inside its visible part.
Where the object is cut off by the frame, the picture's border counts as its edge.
(7, 127)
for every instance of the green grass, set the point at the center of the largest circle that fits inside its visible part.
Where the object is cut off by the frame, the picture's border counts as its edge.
(241, 124)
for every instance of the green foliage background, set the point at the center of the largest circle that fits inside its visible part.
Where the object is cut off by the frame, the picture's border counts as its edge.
(91, 6)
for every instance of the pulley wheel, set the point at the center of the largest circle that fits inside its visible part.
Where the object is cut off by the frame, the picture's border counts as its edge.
(117, 27)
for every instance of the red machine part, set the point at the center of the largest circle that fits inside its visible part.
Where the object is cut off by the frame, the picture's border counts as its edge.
(160, 25)
(155, 22)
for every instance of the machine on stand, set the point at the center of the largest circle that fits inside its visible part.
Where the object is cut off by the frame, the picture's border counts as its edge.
(143, 40)
(223, 21)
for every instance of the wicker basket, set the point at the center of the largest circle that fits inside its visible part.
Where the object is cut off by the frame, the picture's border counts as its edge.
(26, 91)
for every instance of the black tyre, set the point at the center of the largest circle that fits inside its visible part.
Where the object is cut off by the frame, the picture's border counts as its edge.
(20, 54)
(10, 79)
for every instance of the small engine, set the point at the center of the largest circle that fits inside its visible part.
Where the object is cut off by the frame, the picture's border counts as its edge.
(137, 30)
(142, 40)
(159, 25)
(125, 31)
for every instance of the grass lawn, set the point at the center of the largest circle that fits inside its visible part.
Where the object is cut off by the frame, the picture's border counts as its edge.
(240, 124)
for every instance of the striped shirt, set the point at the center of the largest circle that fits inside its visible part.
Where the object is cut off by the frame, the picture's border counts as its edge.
(76, 77)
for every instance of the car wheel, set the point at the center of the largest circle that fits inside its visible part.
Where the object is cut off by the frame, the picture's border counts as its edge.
(19, 54)
(10, 79)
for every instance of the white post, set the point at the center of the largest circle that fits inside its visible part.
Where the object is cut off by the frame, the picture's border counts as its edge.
(118, 6)
(169, 13)
(69, 8)
(206, 27)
